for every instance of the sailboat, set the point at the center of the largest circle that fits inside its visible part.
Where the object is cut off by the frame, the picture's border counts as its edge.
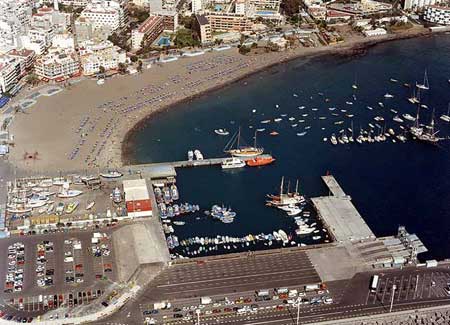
(284, 199)
(425, 85)
(446, 117)
(242, 151)
(355, 84)
(415, 98)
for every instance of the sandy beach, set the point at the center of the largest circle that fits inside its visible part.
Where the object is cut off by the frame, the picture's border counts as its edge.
(86, 125)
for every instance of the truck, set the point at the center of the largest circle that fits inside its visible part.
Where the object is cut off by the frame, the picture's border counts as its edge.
(374, 283)
(205, 300)
(162, 305)
(312, 287)
(262, 293)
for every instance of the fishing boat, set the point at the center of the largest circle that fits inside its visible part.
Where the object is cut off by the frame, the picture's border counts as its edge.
(71, 207)
(446, 117)
(260, 161)
(18, 209)
(174, 192)
(222, 132)
(425, 85)
(60, 208)
(64, 194)
(235, 148)
(111, 174)
(90, 205)
(233, 162)
(116, 195)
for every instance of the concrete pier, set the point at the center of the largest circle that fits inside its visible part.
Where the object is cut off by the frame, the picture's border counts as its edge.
(340, 215)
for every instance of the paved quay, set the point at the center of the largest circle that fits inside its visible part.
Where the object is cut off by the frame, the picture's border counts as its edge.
(340, 215)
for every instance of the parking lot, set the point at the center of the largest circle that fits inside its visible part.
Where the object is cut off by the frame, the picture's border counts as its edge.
(46, 271)
(410, 286)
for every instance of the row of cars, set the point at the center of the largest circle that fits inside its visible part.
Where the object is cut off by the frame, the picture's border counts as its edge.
(73, 269)
(44, 274)
(18, 319)
(16, 261)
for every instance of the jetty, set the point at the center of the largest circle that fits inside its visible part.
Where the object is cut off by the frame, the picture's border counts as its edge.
(167, 169)
(340, 215)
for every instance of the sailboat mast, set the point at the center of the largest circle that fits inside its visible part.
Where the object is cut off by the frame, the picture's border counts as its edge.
(254, 142)
(281, 186)
(296, 187)
(239, 137)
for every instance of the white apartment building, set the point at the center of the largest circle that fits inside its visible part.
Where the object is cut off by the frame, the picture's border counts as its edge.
(63, 41)
(266, 4)
(44, 34)
(57, 65)
(418, 4)
(75, 3)
(14, 19)
(438, 15)
(37, 46)
(149, 30)
(47, 16)
(155, 5)
(10, 72)
(105, 14)
(198, 6)
(104, 54)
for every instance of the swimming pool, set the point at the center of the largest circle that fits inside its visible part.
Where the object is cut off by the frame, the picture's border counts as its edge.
(164, 41)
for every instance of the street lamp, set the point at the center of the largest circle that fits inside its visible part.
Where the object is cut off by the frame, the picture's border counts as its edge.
(197, 311)
(392, 298)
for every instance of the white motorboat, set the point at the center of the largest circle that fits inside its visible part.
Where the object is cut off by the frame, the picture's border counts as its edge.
(111, 174)
(409, 117)
(222, 132)
(190, 155)
(233, 162)
(64, 194)
(198, 155)
(397, 119)
(90, 205)
(387, 95)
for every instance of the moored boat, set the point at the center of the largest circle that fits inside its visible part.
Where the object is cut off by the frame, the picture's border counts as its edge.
(260, 161)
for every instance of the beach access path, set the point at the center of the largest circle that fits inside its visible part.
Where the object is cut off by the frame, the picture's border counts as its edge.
(83, 127)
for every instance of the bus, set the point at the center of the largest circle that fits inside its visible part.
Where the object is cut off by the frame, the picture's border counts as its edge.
(374, 283)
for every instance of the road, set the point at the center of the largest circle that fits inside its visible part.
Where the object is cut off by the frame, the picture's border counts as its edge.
(415, 288)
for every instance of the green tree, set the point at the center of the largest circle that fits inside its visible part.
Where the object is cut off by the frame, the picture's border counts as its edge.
(33, 79)
(139, 66)
(122, 68)
(101, 69)
(244, 50)
(290, 7)
(186, 38)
